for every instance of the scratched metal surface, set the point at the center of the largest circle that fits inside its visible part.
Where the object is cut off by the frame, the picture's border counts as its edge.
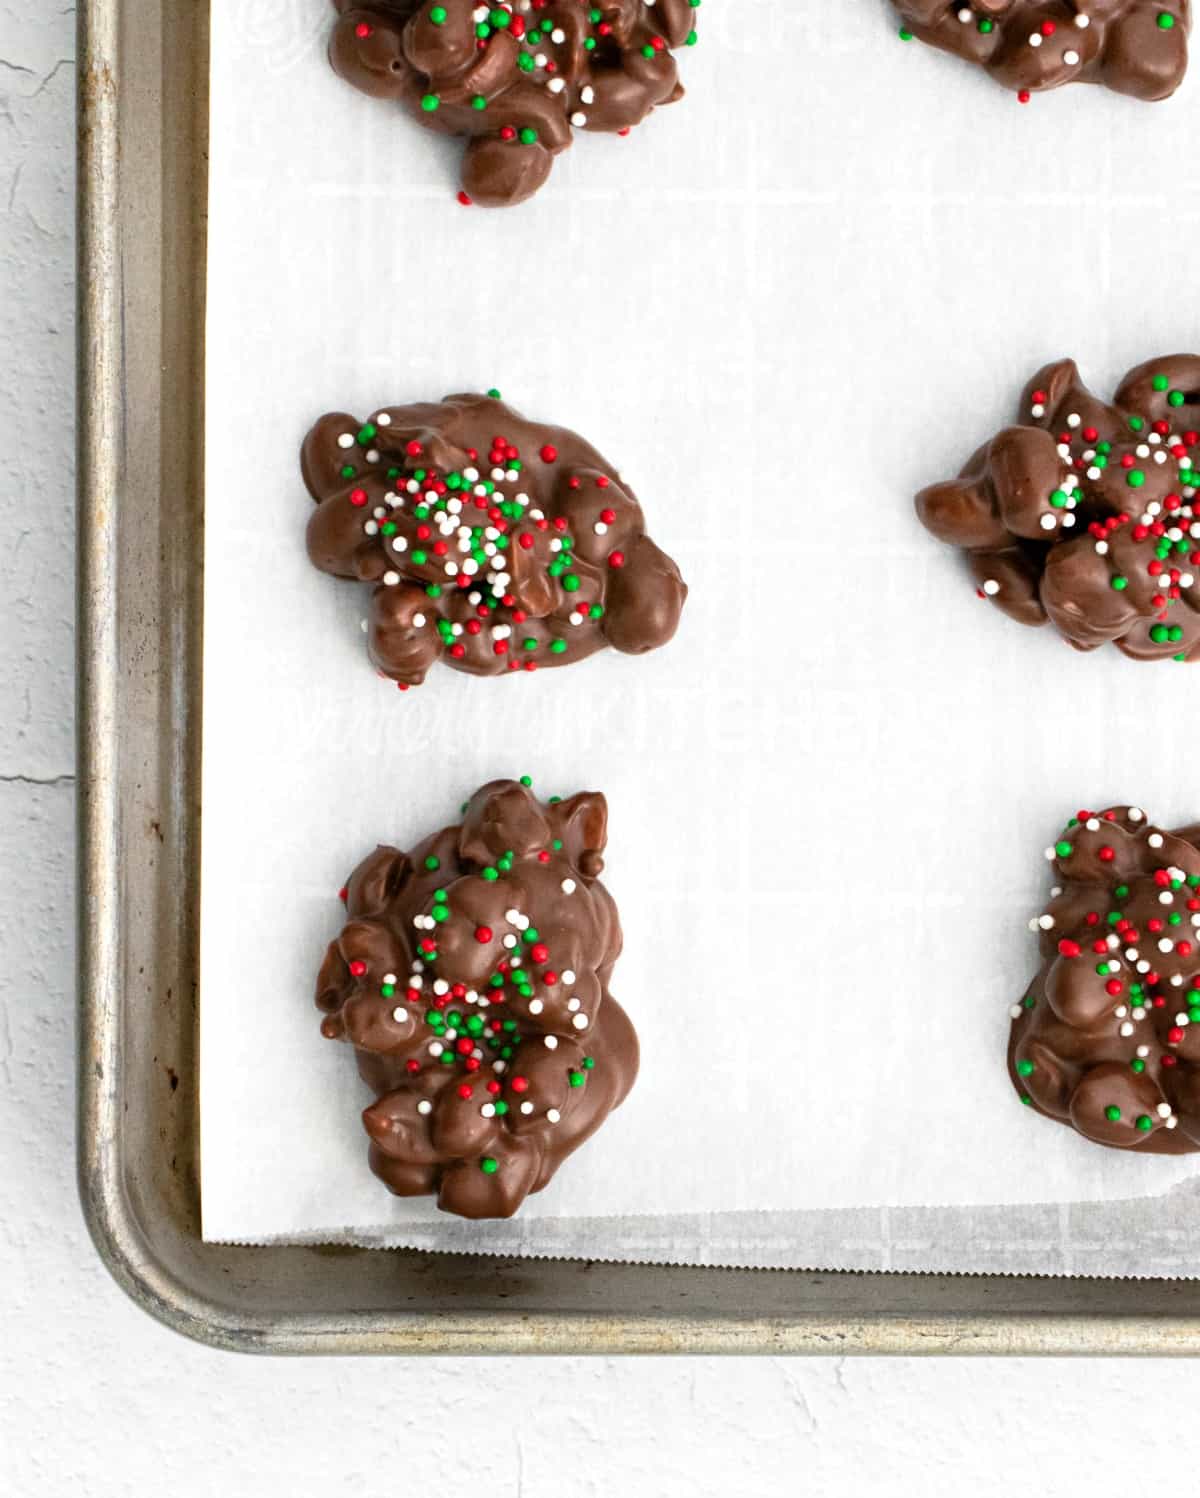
(142, 111)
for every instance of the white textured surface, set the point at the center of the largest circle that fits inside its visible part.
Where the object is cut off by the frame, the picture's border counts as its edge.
(96, 1402)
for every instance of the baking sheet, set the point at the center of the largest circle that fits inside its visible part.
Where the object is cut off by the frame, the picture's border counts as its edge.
(781, 313)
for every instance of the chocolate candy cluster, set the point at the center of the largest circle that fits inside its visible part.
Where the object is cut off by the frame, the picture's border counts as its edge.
(515, 77)
(1085, 514)
(1107, 1038)
(489, 542)
(471, 977)
(1137, 47)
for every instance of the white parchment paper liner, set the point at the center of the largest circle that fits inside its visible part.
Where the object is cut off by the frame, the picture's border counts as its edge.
(784, 305)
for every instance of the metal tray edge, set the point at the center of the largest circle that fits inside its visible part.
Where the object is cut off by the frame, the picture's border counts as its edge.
(111, 1217)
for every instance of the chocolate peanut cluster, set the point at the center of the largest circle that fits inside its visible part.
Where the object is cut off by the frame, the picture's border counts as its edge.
(516, 77)
(1137, 47)
(471, 977)
(489, 542)
(1085, 514)
(1107, 1037)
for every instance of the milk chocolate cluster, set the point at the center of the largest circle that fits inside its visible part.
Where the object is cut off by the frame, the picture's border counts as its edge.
(471, 977)
(1137, 47)
(1107, 1038)
(488, 541)
(1085, 514)
(515, 77)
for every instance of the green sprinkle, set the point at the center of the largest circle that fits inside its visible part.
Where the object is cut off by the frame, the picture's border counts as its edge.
(489, 1165)
(438, 15)
(1063, 850)
(1112, 1113)
(1119, 584)
(1145, 1122)
(527, 136)
(1165, 22)
(429, 103)
(1135, 478)
(1024, 1068)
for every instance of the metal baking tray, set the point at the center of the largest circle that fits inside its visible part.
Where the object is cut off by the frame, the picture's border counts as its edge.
(142, 193)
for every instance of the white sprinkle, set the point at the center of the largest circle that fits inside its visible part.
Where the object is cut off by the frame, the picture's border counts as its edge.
(551, 1042)
(1070, 58)
(1015, 1011)
(1127, 1028)
(400, 1014)
(1155, 840)
(569, 976)
(579, 119)
(991, 587)
(418, 621)
(580, 1021)
(552, 1115)
(346, 439)
(1048, 522)
(488, 1110)
(536, 1006)
(568, 886)
(390, 579)
(424, 1106)
(1163, 1110)
(527, 1108)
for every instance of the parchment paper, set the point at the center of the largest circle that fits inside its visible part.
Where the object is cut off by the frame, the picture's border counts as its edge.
(781, 306)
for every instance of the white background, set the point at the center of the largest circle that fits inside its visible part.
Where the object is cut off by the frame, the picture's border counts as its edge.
(96, 1400)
